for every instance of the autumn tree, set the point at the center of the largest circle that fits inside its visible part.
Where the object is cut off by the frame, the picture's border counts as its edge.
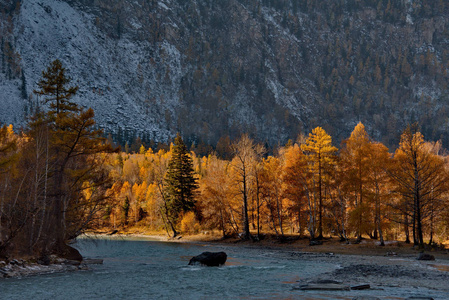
(272, 193)
(380, 160)
(76, 161)
(75, 181)
(8, 158)
(246, 153)
(8, 146)
(258, 171)
(181, 184)
(338, 206)
(36, 160)
(217, 197)
(295, 178)
(356, 164)
(421, 177)
(321, 157)
(154, 175)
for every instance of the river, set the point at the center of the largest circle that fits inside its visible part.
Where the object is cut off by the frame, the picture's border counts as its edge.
(138, 268)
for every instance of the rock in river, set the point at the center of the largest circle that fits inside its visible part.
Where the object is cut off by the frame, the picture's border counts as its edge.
(323, 287)
(210, 259)
(361, 287)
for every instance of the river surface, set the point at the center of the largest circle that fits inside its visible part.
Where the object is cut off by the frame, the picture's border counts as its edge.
(137, 268)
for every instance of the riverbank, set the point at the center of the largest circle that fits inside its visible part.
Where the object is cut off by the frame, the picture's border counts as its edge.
(367, 247)
(393, 266)
(17, 268)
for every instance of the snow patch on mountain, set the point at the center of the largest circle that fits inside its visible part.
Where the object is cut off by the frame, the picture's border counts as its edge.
(106, 70)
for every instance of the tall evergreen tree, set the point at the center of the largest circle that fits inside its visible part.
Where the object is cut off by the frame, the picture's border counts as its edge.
(53, 86)
(73, 156)
(180, 183)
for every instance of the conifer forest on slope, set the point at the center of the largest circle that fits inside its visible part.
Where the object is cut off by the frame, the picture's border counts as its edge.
(208, 69)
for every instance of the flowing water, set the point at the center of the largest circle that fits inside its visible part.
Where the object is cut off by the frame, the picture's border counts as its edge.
(145, 269)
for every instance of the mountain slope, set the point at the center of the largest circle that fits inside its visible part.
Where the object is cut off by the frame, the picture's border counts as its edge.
(213, 68)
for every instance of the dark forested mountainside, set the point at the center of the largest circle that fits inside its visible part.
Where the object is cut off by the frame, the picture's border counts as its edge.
(214, 68)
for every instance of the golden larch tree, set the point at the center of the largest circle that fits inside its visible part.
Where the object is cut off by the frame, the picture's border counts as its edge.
(321, 156)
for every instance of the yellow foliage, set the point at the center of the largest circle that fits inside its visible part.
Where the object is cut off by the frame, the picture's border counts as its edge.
(10, 130)
(150, 196)
(189, 224)
(142, 149)
(125, 187)
(87, 191)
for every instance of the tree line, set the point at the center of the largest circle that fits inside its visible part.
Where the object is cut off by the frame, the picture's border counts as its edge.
(308, 188)
(60, 177)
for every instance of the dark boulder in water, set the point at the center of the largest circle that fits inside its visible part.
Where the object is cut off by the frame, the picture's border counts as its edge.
(361, 287)
(210, 259)
(323, 287)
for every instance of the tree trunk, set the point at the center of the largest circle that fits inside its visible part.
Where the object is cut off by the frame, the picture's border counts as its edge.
(359, 237)
(406, 229)
(245, 208)
(234, 223)
(343, 218)
(273, 221)
(279, 209)
(2, 200)
(419, 225)
(222, 223)
(170, 223)
(57, 213)
(378, 219)
(258, 206)
(375, 233)
(431, 225)
(320, 225)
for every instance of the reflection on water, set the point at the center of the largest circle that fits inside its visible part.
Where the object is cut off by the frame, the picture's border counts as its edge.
(443, 268)
(290, 280)
(145, 269)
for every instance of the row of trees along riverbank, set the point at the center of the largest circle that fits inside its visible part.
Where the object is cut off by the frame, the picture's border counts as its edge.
(308, 188)
(60, 177)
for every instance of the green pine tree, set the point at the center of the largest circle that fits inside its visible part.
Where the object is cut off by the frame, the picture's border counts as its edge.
(53, 86)
(72, 150)
(180, 182)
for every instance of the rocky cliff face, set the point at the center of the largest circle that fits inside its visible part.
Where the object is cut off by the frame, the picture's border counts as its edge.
(212, 68)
